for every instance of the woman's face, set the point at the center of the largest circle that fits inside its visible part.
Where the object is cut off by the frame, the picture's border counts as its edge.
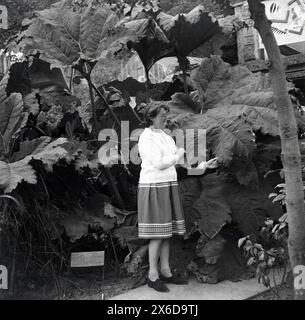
(159, 122)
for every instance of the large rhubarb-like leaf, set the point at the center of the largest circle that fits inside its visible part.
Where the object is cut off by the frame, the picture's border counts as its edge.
(237, 104)
(251, 209)
(30, 103)
(204, 204)
(3, 85)
(229, 25)
(188, 31)
(64, 35)
(50, 154)
(77, 225)
(211, 207)
(11, 174)
(12, 118)
(220, 84)
(185, 32)
(228, 137)
(245, 172)
(214, 200)
(14, 173)
(266, 154)
(93, 215)
(190, 190)
(54, 95)
(30, 147)
(143, 35)
(182, 104)
(225, 136)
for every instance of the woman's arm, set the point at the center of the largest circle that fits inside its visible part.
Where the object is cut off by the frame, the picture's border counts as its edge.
(167, 162)
(199, 170)
(149, 150)
(202, 167)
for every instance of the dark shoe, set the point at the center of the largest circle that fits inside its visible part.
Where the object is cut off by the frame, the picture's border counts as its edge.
(175, 279)
(158, 285)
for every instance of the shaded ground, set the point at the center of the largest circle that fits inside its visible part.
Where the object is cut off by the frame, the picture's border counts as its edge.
(89, 283)
(78, 285)
(93, 283)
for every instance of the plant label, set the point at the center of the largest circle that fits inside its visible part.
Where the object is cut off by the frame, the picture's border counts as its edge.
(87, 259)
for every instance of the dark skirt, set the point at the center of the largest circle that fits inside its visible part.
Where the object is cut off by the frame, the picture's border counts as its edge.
(160, 210)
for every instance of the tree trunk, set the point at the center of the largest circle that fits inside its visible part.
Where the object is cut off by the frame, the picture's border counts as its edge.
(291, 157)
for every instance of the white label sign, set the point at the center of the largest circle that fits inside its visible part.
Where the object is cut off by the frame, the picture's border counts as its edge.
(87, 259)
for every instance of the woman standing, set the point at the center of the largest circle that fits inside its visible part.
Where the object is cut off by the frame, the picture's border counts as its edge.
(160, 211)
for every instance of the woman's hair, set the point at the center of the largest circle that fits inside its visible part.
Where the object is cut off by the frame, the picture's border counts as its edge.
(153, 110)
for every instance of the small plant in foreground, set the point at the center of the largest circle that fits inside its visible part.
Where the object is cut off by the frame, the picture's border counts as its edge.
(271, 253)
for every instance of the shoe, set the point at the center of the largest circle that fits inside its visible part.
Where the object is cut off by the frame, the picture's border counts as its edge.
(175, 279)
(158, 285)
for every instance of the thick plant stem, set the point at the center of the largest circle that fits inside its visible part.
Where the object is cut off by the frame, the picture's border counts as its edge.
(114, 188)
(291, 157)
(92, 106)
(87, 75)
(185, 81)
(116, 119)
(92, 86)
(71, 80)
(147, 84)
(183, 62)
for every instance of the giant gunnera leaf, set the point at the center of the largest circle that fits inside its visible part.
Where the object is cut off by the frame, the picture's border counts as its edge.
(13, 173)
(242, 130)
(211, 207)
(212, 201)
(236, 104)
(188, 31)
(64, 36)
(12, 117)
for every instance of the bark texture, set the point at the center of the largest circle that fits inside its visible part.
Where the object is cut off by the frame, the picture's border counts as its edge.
(291, 157)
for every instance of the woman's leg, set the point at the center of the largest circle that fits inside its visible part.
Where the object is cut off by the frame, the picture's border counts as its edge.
(154, 253)
(164, 259)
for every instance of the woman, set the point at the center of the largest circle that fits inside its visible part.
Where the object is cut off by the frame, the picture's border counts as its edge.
(160, 212)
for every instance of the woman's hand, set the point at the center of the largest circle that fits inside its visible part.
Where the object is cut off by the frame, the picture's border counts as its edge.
(212, 164)
(201, 168)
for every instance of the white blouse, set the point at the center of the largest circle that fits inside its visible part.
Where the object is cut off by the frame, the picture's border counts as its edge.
(157, 150)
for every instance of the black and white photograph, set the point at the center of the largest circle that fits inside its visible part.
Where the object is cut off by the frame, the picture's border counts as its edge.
(152, 151)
